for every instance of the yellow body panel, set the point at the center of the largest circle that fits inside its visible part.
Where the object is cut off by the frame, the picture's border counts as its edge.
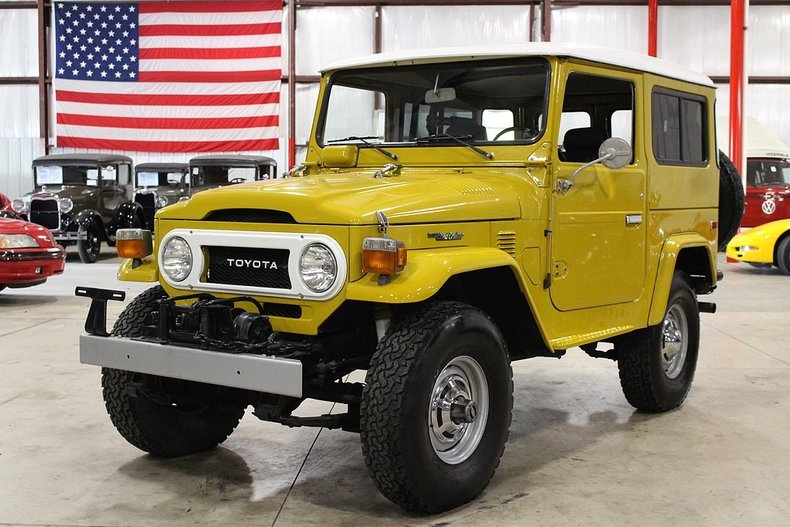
(592, 263)
(757, 245)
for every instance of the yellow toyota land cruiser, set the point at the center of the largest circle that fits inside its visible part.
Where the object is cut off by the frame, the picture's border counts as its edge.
(458, 209)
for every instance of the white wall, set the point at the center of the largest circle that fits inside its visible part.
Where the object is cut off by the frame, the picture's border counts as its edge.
(695, 36)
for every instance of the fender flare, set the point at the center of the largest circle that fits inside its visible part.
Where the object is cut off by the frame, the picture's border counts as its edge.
(87, 217)
(427, 271)
(125, 216)
(667, 262)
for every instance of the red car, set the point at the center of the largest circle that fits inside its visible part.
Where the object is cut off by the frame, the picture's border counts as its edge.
(28, 254)
(767, 191)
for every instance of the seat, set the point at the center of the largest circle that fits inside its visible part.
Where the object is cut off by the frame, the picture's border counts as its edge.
(465, 127)
(582, 144)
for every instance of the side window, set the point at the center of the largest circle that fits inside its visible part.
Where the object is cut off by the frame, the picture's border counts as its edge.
(594, 109)
(678, 129)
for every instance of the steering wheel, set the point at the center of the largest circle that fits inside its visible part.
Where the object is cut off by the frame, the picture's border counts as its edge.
(509, 129)
(237, 180)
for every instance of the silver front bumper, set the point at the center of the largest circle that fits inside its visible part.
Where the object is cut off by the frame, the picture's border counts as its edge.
(245, 371)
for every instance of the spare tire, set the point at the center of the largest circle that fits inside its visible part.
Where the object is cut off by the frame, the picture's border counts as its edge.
(731, 200)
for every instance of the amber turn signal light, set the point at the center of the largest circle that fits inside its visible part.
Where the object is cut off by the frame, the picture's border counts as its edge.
(133, 243)
(383, 256)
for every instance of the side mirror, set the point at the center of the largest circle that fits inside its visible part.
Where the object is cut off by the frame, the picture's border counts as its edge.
(614, 153)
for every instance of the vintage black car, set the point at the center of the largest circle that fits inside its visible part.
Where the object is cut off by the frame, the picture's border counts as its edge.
(206, 172)
(82, 199)
(158, 185)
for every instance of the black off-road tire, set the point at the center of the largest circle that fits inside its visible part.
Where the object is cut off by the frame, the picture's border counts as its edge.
(731, 200)
(783, 255)
(421, 348)
(650, 383)
(89, 247)
(152, 424)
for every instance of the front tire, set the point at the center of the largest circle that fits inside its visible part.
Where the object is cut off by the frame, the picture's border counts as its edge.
(436, 407)
(89, 246)
(657, 364)
(783, 255)
(162, 416)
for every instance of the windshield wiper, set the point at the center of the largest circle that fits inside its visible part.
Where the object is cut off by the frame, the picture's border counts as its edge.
(460, 140)
(367, 143)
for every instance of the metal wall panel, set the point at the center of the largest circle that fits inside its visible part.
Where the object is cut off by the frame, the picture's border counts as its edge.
(622, 27)
(328, 34)
(18, 43)
(16, 159)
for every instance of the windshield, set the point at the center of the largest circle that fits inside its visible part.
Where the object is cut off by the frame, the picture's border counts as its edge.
(767, 173)
(158, 179)
(215, 176)
(71, 175)
(495, 101)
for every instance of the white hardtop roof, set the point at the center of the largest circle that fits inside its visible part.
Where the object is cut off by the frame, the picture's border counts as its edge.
(611, 56)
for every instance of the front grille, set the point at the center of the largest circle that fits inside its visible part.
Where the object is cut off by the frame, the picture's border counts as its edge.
(506, 241)
(45, 212)
(147, 201)
(251, 216)
(248, 266)
(282, 310)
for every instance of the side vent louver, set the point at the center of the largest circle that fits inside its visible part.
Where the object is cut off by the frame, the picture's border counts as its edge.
(506, 241)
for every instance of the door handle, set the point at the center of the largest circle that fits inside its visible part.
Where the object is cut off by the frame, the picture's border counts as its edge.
(633, 219)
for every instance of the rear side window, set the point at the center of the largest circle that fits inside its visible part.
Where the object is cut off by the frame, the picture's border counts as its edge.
(679, 125)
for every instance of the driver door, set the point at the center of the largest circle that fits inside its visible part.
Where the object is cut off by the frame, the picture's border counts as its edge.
(599, 224)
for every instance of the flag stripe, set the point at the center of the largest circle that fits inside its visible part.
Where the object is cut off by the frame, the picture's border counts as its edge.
(211, 53)
(211, 30)
(168, 100)
(209, 76)
(178, 123)
(242, 111)
(240, 41)
(205, 66)
(168, 146)
(215, 19)
(208, 7)
(217, 88)
(182, 135)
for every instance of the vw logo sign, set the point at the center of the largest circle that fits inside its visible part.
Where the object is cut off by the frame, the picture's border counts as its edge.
(769, 206)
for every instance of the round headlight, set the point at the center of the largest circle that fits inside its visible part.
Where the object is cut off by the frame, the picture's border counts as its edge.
(19, 205)
(318, 268)
(161, 201)
(66, 205)
(177, 259)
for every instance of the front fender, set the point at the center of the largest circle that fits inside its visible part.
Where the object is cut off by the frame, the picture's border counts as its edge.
(147, 271)
(427, 271)
(127, 214)
(85, 218)
(666, 270)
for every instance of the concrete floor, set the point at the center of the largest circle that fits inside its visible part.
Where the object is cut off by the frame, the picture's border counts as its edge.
(578, 454)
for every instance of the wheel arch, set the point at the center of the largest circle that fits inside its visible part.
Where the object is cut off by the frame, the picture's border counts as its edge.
(690, 253)
(87, 217)
(778, 242)
(486, 278)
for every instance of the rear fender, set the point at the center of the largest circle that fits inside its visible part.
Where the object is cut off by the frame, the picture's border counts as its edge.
(668, 262)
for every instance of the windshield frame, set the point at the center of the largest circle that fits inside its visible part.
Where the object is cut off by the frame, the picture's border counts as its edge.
(541, 114)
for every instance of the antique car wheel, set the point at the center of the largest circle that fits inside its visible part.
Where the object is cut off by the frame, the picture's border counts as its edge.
(165, 417)
(657, 363)
(783, 255)
(436, 407)
(731, 200)
(90, 246)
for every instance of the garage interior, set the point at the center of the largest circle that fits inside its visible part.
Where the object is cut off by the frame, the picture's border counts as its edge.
(578, 453)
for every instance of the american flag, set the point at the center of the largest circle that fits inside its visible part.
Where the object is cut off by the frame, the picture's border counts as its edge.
(168, 76)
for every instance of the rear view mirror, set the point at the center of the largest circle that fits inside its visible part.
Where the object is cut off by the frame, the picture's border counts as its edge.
(439, 95)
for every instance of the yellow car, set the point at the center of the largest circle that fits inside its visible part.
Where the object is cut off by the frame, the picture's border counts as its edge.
(767, 244)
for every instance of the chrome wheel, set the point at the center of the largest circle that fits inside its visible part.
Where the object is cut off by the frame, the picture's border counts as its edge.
(458, 410)
(674, 341)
